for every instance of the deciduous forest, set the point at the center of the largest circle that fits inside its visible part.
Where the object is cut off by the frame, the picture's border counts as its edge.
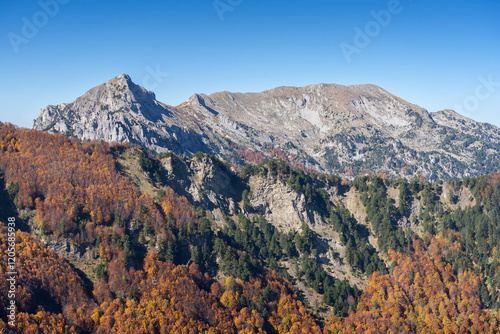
(157, 263)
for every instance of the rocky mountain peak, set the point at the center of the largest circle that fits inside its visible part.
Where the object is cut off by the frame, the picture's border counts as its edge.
(120, 91)
(120, 95)
(110, 111)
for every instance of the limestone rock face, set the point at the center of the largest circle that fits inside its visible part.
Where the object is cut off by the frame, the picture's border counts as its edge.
(346, 130)
(210, 185)
(281, 206)
(65, 248)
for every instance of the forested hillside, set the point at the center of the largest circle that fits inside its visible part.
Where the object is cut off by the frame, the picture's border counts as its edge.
(119, 240)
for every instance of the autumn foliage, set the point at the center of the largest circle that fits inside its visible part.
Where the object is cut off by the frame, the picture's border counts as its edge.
(70, 183)
(423, 295)
(50, 296)
(162, 297)
(79, 195)
(158, 270)
(254, 156)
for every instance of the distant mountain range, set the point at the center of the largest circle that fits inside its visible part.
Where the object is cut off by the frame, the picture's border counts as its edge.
(346, 130)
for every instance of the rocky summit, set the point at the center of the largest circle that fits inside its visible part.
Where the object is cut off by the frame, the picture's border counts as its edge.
(346, 130)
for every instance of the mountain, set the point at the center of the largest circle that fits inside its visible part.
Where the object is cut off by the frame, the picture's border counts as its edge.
(346, 130)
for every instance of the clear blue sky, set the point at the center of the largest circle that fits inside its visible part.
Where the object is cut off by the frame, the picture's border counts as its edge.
(431, 53)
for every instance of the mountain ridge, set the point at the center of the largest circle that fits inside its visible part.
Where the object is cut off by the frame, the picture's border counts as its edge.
(346, 130)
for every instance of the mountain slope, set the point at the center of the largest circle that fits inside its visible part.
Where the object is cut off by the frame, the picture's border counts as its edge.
(347, 130)
(212, 250)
